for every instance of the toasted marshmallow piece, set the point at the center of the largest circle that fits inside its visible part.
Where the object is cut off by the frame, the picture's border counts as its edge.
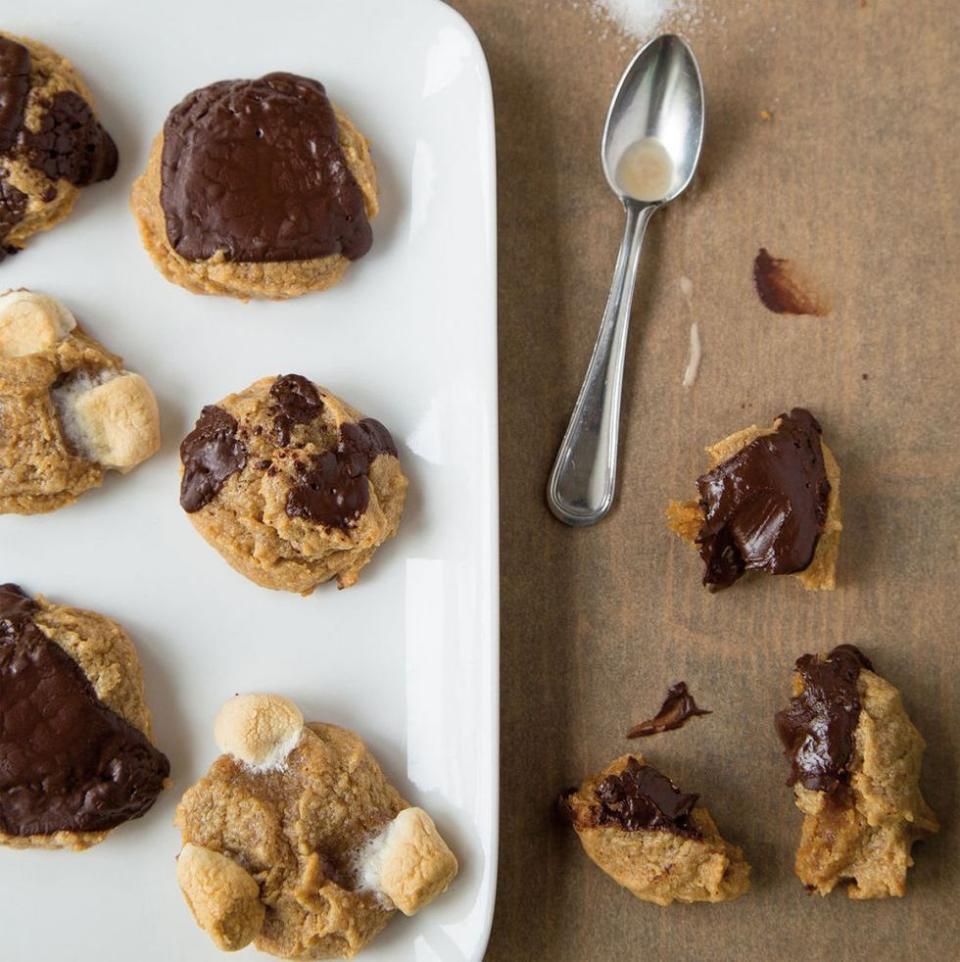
(408, 864)
(259, 730)
(223, 896)
(31, 322)
(116, 422)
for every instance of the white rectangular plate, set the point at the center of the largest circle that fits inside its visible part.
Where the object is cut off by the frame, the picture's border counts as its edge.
(409, 656)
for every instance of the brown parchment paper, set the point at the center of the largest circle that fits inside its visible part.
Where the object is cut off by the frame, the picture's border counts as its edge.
(855, 176)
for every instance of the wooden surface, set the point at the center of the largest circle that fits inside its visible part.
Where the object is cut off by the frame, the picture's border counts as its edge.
(856, 177)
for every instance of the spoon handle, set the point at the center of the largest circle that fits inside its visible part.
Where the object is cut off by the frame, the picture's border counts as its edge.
(583, 480)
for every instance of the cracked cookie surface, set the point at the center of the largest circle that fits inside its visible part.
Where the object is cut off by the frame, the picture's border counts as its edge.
(295, 840)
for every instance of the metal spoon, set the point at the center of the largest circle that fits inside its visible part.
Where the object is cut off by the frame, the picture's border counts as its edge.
(658, 103)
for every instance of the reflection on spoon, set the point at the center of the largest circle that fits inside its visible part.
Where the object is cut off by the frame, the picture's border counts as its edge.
(645, 170)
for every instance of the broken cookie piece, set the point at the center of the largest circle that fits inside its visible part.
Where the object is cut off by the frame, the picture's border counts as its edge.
(295, 840)
(855, 763)
(770, 502)
(653, 839)
(69, 412)
(76, 755)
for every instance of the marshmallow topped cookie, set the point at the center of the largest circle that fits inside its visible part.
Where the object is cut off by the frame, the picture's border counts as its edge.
(51, 144)
(291, 485)
(69, 412)
(76, 751)
(294, 839)
(257, 188)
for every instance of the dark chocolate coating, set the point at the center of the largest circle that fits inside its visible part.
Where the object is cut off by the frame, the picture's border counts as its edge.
(817, 730)
(640, 797)
(210, 453)
(67, 762)
(253, 168)
(765, 507)
(14, 88)
(334, 489)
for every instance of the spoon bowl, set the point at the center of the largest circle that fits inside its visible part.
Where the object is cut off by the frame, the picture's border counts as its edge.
(659, 98)
(651, 145)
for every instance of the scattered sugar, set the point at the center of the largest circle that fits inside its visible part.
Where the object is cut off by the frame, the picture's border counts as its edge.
(642, 19)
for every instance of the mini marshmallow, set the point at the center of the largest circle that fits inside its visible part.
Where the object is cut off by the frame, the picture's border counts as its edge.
(115, 423)
(408, 864)
(259, 730)
(31, 323)
(224, 898)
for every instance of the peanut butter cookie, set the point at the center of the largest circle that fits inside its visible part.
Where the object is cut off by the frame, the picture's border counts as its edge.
(69, 412)
(855, 769)
(295, 841)
(770, 502)
(51, 144)
(76, 756)
(291, 485)
(257, 188)
(653, 839)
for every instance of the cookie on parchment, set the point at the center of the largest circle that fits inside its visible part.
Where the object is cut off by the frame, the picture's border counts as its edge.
(291, 485)
(855, 769)
(653, 839)
(294, 839)
(51, 144)
(770, 502)
(257, 189)
(69, 412)
(76, 755)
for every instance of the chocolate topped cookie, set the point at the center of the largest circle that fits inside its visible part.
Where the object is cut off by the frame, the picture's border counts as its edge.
(770, 502)
(257, 188)
(290, 484)
(76, 756)
(294, 839)
(69, 412)
(855, 761)
(652, 838)
(51, 143)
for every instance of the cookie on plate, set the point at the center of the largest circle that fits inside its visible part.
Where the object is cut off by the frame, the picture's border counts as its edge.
(51, 143)
(257, 189)
(855, 763)
(653, 839)
(76, 751)
(770, 502)
(295, 840)
(291, 485)
(69, 412)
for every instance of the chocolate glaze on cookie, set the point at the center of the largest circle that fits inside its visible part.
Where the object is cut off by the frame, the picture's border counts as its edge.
(640, 797)
(817, 730)
(254, 169)
(67, 762)
(765, 507)
(14, 87)
(297, 403)
(70, 143)
(334, 490)
(677, 709)
(210, 453)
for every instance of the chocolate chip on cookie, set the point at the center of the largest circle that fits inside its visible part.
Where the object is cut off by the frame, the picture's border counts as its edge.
(295, 840)
(855, 762)
(291, 485)
(51, 143)
(257, 188)
(76, 759)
